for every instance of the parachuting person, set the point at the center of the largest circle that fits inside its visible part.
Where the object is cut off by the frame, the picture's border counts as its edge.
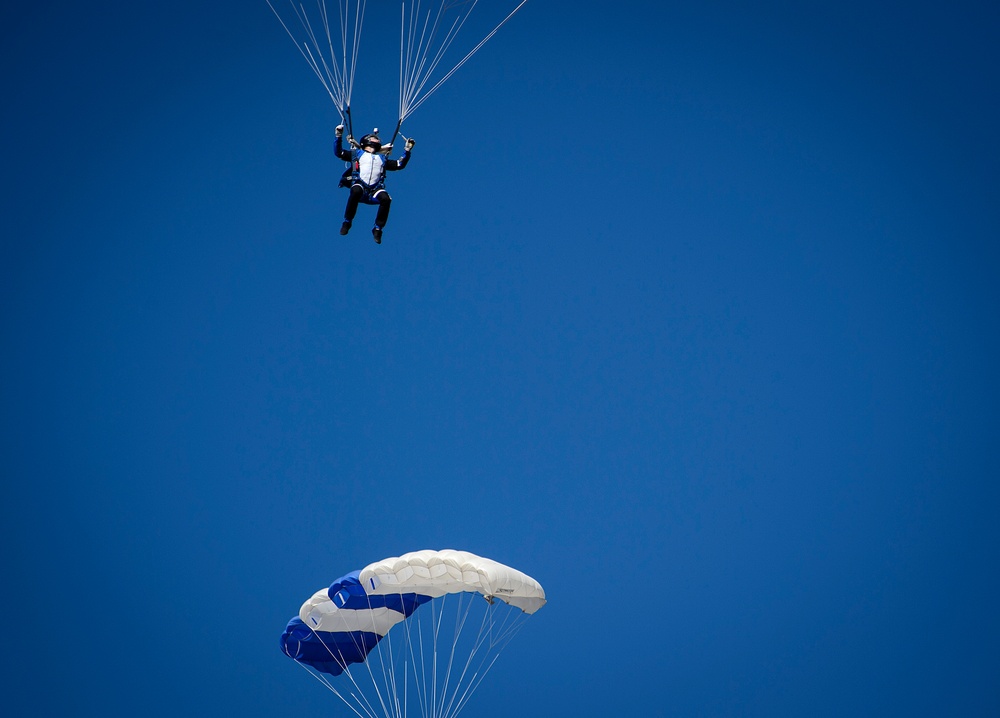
(367, 177)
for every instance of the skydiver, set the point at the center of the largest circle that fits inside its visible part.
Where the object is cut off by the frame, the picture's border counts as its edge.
(367, 180)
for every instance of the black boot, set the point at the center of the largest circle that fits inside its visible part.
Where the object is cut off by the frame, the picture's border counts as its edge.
(377, 234)
(345, 227)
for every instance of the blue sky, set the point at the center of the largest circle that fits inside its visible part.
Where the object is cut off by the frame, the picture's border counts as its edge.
(690, 311)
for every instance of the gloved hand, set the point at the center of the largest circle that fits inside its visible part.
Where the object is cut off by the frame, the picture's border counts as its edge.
(340, 130)
(409, 144)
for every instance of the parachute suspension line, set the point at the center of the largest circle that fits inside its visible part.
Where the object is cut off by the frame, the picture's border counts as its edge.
(416, 56)
(441, 702)
(419, 677)
(337, 77)
(437, 698)
(459, 623)
(405, 52)
(411, 50)
(466, 58)
(460, 620)
(445, 44)
(371, 674)
(331, 74)
(433, 656)
(359, 19)
(473, 686)
(494, 646)
(364, 704)
(435, 631)
(307, 54)
(415, 95)
(363, 701)
(402, 28)
(345, 86)
(334, 77)
(389, 669)
(477, 644)
(444, 678)
(476, 682)
(389, 672)
(330, 687)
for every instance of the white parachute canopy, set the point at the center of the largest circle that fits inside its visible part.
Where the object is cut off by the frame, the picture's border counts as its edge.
(330, 44)
(414, 634)
(436, 573)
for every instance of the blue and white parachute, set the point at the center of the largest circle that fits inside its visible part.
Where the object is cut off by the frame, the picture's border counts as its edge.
(368, 640)
(338, 626)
